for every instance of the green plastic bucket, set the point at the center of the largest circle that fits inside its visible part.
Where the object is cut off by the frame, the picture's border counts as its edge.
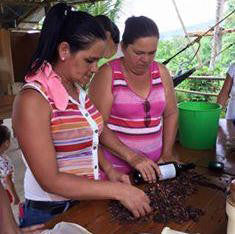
(198, 124)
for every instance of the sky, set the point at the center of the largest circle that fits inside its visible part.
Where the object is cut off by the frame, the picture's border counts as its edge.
(163, 12)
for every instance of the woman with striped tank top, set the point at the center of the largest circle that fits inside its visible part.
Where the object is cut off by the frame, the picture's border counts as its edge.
(57, 125)
(136, 97)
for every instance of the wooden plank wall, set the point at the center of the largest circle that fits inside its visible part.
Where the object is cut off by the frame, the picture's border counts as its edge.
(23, 46)
(6, 67)
(16, 50)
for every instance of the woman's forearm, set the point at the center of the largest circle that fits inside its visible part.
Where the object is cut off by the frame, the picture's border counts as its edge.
(225, 91)
(170, 126)
(80, 188)
(111, 141)
(103, 162)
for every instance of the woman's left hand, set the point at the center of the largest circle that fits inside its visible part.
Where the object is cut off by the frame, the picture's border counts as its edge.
(116, 176)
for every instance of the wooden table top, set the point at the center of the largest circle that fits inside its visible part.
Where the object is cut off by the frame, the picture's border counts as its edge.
(94, 216)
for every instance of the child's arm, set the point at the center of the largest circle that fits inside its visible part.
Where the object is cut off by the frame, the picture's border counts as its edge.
(7, 221)
(11, 188)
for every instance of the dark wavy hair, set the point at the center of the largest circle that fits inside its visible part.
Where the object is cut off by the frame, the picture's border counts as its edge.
(137, 27)
(109, 26)
(79, 29)
(5, 134)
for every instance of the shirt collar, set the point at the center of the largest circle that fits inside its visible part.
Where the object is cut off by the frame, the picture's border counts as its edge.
(52, 83)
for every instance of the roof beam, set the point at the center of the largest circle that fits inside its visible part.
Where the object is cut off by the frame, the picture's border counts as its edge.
(42, 3)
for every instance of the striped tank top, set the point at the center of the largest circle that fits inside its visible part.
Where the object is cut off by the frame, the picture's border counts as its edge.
(75, 132)
(128, 116)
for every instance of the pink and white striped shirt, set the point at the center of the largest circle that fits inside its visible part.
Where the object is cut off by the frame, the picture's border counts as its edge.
(128, 114)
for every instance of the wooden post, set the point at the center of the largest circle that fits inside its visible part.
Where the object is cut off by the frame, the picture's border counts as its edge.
(217, 38)
(6, 66)
(185, 32)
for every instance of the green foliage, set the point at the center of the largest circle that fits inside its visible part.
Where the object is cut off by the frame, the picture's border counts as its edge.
(168, 48)
(109, 8)
(183, 61)
(230, 22)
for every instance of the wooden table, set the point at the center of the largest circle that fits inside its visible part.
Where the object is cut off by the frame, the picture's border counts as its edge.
(93, 215)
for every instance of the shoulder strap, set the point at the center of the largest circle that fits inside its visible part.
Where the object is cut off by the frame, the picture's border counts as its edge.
(36, 86)
(155, 71)
(117, 74)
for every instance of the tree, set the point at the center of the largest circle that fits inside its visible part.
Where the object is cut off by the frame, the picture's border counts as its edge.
(110, 8)
(217, 38)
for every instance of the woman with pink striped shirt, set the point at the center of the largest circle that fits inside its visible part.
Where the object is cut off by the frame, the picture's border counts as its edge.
(57, 125)
(136, 97)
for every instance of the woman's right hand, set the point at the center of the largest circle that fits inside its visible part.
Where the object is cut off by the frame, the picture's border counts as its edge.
(148, 168)
(134, 199)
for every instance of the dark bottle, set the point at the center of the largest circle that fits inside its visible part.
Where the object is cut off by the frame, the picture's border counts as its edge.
(168, 170)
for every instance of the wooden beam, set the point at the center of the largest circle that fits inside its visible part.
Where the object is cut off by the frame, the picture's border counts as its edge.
(26, 14)
(25, 30)
(6, 66)
(209, 78)
(196, 92)
(186, 33)
(42, 3)
(29, 22)
(19, 2)
(224, 31)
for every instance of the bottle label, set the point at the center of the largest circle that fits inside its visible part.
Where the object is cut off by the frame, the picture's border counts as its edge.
(167, 171)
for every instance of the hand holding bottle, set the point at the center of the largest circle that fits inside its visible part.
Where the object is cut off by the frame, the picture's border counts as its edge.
(148, 169)
(168, 170)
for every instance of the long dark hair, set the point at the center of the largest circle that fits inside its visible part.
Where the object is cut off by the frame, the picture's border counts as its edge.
(137, 27)
(79, 29)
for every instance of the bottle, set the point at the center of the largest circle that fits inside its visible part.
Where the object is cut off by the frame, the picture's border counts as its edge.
(230, 209)
(168, 170)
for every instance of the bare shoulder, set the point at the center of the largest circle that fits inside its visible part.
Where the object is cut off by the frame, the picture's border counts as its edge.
(30, 102)
(165, 74)
(105, 68)
(104, 73)
(30, 97)
(102, 80)
(163, 70)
